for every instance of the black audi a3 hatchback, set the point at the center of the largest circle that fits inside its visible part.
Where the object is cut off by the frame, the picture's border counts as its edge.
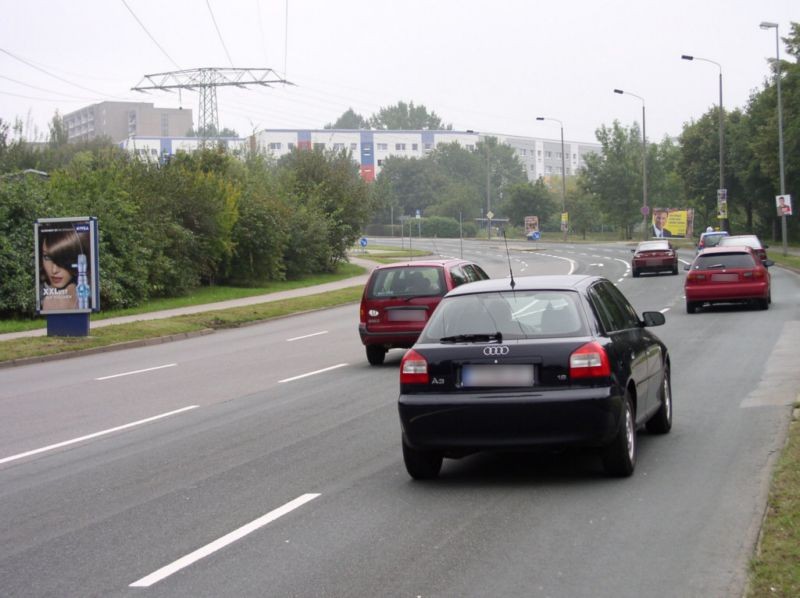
(533, 362)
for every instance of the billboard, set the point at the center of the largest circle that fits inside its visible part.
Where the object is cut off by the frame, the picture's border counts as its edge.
(66, 265)
(672, 222)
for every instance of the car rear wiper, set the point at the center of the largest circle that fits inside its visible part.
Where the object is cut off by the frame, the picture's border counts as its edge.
(714, 266)
(473, 338)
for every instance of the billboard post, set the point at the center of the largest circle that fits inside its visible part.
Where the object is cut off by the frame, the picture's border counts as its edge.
(67, 281)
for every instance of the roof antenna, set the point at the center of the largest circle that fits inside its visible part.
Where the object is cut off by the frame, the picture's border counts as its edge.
(510, 271)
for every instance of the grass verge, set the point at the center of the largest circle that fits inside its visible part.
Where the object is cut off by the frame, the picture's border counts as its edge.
(200, 296)
(775, 569)
(31, 347)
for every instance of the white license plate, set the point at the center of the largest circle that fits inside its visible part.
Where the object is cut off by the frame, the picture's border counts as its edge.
(497, 375)
(406, 315)
(725, 277)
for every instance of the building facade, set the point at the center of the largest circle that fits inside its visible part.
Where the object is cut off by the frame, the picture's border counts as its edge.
(121, 120)
(541, 158)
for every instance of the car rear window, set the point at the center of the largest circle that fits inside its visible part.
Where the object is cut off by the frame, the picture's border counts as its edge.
(407, 281)
(516, 315)
(713, 239)
(653, 246)
(723, 261)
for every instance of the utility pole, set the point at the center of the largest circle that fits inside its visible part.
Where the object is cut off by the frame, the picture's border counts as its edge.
(206, 81)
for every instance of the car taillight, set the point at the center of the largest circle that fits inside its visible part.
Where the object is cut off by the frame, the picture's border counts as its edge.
(695, 277)
(753, 274)
(413, 368)
(589, 361)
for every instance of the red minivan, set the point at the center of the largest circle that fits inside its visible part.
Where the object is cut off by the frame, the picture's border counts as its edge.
(399, 298)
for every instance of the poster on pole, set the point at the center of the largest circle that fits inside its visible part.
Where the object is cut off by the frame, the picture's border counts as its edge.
(66, 265)
(784, 205)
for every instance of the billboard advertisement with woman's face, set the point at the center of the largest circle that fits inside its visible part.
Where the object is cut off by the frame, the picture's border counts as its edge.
(66, 265)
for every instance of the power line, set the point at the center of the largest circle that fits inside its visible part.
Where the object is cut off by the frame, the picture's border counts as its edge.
(130, 10)
(33, 66)
(222, 41)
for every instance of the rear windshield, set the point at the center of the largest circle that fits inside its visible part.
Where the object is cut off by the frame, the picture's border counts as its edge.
(653, 246)
(723, 261)
(406, 282)
(712, 240)
(516, 315)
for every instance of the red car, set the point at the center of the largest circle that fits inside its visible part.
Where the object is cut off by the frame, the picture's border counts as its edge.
(654, 256)
(399, 298)
(727, 275)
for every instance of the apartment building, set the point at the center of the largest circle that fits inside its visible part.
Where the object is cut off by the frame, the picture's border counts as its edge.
(121, 120)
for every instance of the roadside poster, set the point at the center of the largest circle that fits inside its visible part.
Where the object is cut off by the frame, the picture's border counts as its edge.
(66, 265)
(532, 228)
(672, 222)
(784, 205)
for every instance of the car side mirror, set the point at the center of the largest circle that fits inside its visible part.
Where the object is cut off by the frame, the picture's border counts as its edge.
(653, 318)
(687, 268)
(633, 251)
(768, 263)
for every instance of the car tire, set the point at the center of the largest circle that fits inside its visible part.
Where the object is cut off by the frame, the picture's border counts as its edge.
(619, 456)
(763, 303)
(375, 354)
(635, 273)
(691, 307)
(421, 465)
(674, 270)
(661, 422)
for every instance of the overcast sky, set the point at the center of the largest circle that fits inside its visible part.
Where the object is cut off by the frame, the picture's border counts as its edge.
(489, 66)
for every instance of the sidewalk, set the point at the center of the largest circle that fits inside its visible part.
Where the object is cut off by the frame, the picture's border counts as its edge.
(194, 309)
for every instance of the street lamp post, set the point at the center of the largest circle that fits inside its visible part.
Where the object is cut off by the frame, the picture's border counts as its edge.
(768, 25)
(645, 209)
(725, 222)
(564, 225)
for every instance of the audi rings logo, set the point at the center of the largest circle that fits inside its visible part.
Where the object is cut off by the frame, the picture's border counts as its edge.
(495, 351)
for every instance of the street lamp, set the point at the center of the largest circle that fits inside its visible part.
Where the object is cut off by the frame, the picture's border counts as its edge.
(768, 25)
(645, 209)
(564, 225)
(722, 193)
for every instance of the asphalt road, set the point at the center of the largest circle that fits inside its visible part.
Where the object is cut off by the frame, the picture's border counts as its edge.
(265, 461)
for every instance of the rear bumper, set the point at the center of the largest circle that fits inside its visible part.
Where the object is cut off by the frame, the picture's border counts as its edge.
(390, 340)
(654, 265)
(728, 292)
(471, 422)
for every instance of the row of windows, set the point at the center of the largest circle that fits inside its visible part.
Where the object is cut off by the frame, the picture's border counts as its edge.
(381, 147)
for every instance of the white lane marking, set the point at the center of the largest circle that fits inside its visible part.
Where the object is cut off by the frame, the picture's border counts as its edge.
(158, 367)
(237, 534)
(297, 338)
(665, 310)
(573, 265)
(333, 367)
(95, 435)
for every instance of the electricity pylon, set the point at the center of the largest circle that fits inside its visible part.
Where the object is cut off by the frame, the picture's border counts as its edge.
(206, 81)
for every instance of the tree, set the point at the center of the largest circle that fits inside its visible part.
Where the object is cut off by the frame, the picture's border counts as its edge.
(328, 186)
(349, 120)
(528, 199)
(59, 134)
(404, 116)
(614, 175)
